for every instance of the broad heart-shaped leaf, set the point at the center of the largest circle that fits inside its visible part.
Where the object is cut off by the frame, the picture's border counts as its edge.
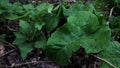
(44, 8)
(74, 8)
(96, 42)
(81, 29)
(25, 49)
(78, 7)
(111, 54)
(84, 20)
(51, 21)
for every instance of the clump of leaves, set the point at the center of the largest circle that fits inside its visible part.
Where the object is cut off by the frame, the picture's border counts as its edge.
(29, 37)
(82, 29)
(30, 34)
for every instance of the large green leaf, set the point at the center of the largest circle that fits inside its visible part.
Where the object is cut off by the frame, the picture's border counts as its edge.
(112, 55)
(28, 7)
(96, 42)
(44, 8)
(51, 21)
(74, 8)
(85, 21)
(78, 7)
(83, 30)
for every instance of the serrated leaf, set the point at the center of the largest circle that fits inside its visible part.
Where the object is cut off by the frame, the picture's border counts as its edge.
(78, 7)
(89, 7)
(28, 7)
(20, 38)
(44, 8)
(111, 54)
(51, 22)
(24, 25)
(4, 4)
(41, 43)
(74, 8)
(16, 17)
(74, 34)
(25, 49)
(12, 17)
(16, 7)
(39, 25)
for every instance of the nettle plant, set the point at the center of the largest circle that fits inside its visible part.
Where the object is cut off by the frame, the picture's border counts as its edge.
(62, 30)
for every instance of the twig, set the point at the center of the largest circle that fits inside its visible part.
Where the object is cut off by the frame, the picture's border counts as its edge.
(5, 66)
(7, 53)
(10, 44)
(11, 29)
(28, 64)
(111, 11)
(31, 63)
(105, 61)
(16, 65)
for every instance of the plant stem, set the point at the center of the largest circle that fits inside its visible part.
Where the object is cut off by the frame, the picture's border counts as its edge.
(105, 61)
(111, 11)
(59, 10)
(33, 35)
